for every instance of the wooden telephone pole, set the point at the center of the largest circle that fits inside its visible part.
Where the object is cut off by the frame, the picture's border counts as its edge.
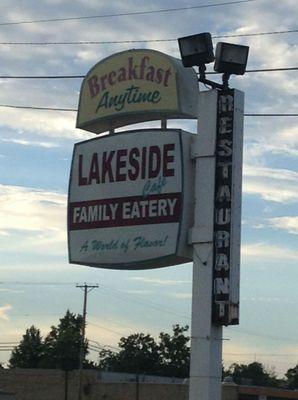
(86, 288)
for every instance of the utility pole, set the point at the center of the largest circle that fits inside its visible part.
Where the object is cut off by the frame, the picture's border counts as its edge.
(86, 288)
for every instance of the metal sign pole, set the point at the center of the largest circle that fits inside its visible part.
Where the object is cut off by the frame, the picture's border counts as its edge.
(206, 338)
(215, 237)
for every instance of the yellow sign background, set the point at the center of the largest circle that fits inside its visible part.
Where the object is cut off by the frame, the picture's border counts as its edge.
(134, 81)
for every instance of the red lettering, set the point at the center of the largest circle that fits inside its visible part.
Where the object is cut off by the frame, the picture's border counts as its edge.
(82, 179)
(93, 86)
(144, 162)
(154, 162)
(159, 75)
(107, 166)
(134, 173)
(111, 78)
(120, 163)
(132, 73)
(94, 170)
(143, 63)
(167, 159)
(103, 79)
(167, 76)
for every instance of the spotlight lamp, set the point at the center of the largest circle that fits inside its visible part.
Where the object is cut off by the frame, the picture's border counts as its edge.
(231, 58)
(197, 50)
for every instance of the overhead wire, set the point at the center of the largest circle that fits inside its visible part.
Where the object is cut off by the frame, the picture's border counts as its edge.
(164, 10)
(75, 110)
(83, 76)
(135, 298)
(266, 336)
(95, 42)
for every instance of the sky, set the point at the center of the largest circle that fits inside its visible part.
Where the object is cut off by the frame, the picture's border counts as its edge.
(37, 284)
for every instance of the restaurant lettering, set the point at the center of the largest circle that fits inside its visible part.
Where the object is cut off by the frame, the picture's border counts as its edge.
(223, 207)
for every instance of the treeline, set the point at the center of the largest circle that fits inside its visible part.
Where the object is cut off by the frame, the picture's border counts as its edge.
(138, 353)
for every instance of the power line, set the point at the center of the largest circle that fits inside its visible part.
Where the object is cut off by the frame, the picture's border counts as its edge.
(165, 10)
(39, 108)
(103, 345)
(270, 337)
(261, 70)
(43, 76)
(95, 42)
(263, 354)
(35, 283)
(83, 76)
(107, 329)
(271, 115)
(75, 110)
(137, 299)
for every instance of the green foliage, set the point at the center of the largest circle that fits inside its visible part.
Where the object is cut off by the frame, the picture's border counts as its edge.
(139, 353)
(63, 343)
(292, 377)
(29, 352)
(175, 352)
(253, 373)
(60, 348)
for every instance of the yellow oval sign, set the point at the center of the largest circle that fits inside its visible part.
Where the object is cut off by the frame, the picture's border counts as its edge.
(136, 86)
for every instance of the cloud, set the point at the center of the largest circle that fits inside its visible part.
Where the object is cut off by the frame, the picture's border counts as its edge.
(138, 292)
(181, 295)
(4, 311)
(289, 224)
(275, 300)
(53, 124)
(24, 142)
(33, 218)
(265, 251)
(157, 281)
(272, 184)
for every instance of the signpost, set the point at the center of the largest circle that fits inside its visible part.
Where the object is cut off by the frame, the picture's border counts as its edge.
(215, 236)
(159, 197)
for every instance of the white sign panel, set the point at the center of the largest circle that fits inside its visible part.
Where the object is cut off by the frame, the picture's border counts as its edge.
(127, 198)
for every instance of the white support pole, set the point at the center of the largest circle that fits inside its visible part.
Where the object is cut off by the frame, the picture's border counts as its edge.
(206, 338)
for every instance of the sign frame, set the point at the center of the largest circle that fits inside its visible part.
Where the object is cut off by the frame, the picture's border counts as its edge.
(183, 251)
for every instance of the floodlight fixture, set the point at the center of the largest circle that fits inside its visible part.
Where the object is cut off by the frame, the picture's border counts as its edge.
(196, 50)
(231, 58)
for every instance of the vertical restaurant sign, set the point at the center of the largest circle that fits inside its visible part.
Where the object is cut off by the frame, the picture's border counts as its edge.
(130, 199)
(227, 210)
(136, 86)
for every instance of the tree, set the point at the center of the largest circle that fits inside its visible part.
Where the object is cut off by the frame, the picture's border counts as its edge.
(292, 377)
(140, 353)
(62, 344)
(29, 352)
(255, 373)
(175, 352)
(60, 348)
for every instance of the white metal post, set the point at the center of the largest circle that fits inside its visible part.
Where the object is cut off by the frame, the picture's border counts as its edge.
(206, 338)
